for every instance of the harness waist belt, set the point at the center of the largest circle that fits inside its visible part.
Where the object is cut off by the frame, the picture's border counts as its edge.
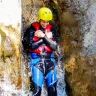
(41, 55)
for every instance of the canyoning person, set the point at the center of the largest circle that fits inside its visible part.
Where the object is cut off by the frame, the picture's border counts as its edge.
(41, 46)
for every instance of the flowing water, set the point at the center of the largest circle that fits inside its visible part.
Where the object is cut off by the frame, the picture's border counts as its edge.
(8, 89)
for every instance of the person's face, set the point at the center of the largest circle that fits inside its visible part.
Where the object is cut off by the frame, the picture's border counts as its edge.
(44, 23)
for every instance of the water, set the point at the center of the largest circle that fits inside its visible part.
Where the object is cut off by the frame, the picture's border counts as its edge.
(8, 89)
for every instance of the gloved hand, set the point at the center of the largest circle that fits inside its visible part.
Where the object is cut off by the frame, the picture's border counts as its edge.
(39, 34)
(48, 34)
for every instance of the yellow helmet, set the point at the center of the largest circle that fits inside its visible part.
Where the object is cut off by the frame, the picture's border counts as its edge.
(45, 13)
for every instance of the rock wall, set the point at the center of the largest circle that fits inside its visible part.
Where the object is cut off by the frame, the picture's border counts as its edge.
(78, 29)
(10, 34)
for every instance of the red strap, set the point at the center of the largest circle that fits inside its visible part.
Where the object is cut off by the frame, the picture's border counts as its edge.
(36, 25)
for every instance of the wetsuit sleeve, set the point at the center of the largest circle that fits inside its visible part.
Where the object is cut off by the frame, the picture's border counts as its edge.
(51, 43)
(33, 45)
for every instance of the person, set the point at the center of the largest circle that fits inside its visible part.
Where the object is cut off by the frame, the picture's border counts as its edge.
(41, 47)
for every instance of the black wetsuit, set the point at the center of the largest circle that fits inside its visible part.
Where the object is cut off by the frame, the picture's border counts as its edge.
(42, 64)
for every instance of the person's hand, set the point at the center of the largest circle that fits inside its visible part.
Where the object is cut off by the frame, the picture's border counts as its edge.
(48, 34)
(39, 33)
